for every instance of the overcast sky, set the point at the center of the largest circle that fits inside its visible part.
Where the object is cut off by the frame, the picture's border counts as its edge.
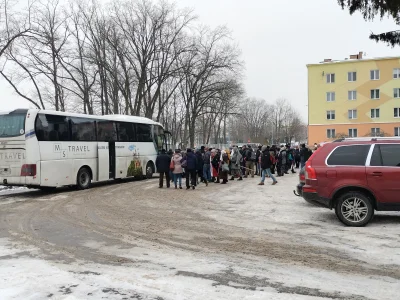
(278, 38)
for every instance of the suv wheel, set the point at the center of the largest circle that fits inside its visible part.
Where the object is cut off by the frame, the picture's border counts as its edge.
(354, 209)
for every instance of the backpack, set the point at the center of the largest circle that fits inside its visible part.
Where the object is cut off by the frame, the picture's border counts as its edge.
(253, 156)
(290, 156)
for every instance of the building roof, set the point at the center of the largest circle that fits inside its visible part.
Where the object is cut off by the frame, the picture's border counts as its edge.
(348, 60)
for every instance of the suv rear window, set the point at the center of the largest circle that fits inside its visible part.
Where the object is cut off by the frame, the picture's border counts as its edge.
(353, 155)
(386, 155)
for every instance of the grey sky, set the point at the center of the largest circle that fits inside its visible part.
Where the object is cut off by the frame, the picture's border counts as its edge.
(278, 39)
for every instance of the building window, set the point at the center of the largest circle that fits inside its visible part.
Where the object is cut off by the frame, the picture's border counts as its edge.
(352, 113)
(374, 74)
(374, 113)
(396, 73)
(353, 132)
(397, 131)
(330, 115)
(351, 76)
(330, 96)
(352, 95)
(330, 78)
(396, 112)
(330, 133)
(375, 94)
(375, 131)
(396, 93)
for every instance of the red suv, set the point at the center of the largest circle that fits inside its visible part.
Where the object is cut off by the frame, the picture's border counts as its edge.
(356, 176)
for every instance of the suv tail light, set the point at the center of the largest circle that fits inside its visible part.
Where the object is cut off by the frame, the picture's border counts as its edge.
(28, 170)
(310, 171)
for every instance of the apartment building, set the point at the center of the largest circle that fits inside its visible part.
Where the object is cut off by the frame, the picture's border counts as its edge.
(353, 97)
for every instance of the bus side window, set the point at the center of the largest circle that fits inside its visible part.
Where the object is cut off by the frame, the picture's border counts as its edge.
(83, 130)
(143, 133)
(106, 131)
(52, 128)
(126, 132)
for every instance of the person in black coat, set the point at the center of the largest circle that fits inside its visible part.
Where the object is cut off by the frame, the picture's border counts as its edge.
(163, 161)
(297, 157)
(190, 169)
(266, 163)
(303, 155)
(258, 165)
(200, 165)
(272, 151)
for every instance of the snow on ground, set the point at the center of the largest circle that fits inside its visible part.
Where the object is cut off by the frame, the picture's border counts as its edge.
(7, 189)
(112, 243)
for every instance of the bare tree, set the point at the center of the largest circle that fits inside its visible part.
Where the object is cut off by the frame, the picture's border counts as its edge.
(13, 24)
(137, 57)
(208, 71)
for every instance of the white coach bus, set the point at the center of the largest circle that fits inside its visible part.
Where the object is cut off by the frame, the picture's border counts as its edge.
(48, 149)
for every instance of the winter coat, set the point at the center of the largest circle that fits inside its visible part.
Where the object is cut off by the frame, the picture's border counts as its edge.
(248, 153)
(265, 160)
(207, 156)
(191, 161)
(224, 159)
(307, 154)
(236, 159)
(303, 152)
(282, 157)
(199, 161)
(289, 155)
(176, 159)
(258, 154)
(162, 162)
(297, 154)
(215, 161)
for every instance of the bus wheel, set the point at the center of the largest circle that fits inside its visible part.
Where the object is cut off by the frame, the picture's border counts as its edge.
(149, 170)
(83, 179)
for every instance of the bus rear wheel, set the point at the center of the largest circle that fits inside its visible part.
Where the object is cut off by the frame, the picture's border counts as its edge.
(84, 179)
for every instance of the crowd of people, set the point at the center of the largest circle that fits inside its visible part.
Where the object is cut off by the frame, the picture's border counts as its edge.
(210, 165)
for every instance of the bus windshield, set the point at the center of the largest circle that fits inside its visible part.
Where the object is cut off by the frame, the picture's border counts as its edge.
(12, 124)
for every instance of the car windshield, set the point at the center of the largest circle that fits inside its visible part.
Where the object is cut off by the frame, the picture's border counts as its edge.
(12, 124)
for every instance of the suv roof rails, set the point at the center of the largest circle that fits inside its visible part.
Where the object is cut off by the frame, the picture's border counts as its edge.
(367, 139)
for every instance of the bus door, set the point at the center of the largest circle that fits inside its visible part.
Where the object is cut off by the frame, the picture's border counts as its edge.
(103, 161)
(106, 160)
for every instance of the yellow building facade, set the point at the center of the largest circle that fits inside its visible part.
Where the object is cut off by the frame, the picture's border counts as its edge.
(355, 97)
